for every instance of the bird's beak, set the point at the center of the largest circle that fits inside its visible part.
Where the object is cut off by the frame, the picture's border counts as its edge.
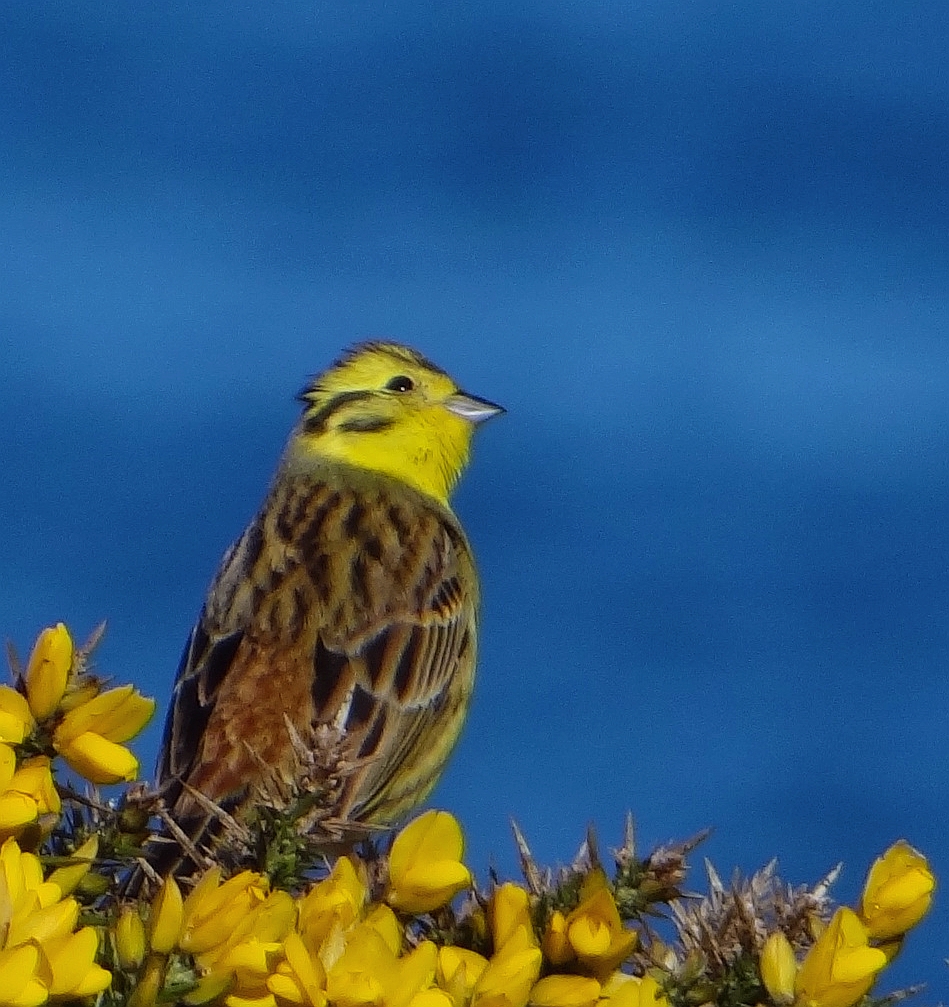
(471, 408)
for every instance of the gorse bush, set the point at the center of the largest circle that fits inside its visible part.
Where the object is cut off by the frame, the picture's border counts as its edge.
(391, 923)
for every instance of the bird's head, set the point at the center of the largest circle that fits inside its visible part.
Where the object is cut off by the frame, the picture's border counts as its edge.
(384, 407)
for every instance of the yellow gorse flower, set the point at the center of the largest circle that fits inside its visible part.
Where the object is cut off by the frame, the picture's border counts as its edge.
(130, 941)
(369, 972)
(236, 933)
(511, 971)
(509, 912)
(16, 718)
(42, 954)
(425, 868)
(88, 728)
(384, 921)
(213, 911)
(459, 971)
(21, 880)
(841, 966)
(90, 735)
(71, 960)
(898, 892)
(27, 794)
(21, 968)
(778, 968)
(565, 991)
(633, 991)
(47, 672)
(166, 920)
(251, 953)
(336, 901)
(300, 977)
(16, 807)
(594, 929)
(235, 943)
(556, 944)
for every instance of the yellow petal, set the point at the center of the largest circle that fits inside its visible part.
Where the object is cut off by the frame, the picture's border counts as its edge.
(425, 869)
(778, 968)
(840, 967)
(384, 921)
(35, 779)
(72, 961)
(435, 835)
(22, 872)
(589, 936)
(215, 912)
(307, 971)
(235, 1000)
(356, 977)
(412, 974)
(459, 970)
(429, 886)
(69, 876)
(631, 991)
(596, 932)
(287, 988)
(97, 759)
(556, 945)
(94, 981)
(48, 670)
(45, 924)
(130, 939)
(210, 987)
(250, 960)
(565, 991)
(21, 987)
(336, 899)
(7, 766)
(898, 892)
(116, 715)
(431, 998)
(511, 972)
(16, 810)
(453, 959)
(354, 989)
(167, 918)
(274, 918)
(128, 719)
(509, 911)
(16, 718)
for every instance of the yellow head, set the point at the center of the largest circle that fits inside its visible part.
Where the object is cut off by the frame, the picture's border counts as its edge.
(386, 408)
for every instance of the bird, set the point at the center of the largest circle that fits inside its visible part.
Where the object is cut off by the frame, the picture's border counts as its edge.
(337, 644)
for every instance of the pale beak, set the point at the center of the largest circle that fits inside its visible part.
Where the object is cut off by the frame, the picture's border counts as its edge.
(471, 408)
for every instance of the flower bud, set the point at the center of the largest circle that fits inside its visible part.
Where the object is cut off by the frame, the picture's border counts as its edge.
(130, 939)
(48, 670)
(778, 968)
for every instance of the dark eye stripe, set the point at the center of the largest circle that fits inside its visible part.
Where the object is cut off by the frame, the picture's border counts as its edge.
(316, 419)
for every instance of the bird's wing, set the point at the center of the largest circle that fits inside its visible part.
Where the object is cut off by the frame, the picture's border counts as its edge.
(207, 658)
(332, 611)
(401, 697)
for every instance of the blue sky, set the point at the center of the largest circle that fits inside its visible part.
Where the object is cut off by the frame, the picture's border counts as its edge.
(701, 254)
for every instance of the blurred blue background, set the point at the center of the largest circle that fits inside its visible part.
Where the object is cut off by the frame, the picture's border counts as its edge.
(699, 251)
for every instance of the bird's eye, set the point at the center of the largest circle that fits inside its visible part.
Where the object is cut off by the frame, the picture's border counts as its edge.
(400, 384)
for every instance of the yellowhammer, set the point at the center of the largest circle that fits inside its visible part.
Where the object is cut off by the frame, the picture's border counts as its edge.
(336, 647)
